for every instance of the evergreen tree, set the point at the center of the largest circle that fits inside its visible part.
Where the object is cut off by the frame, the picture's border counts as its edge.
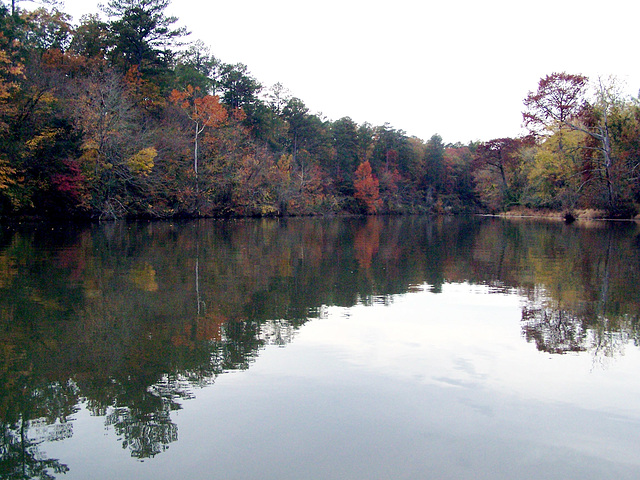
(142, 34)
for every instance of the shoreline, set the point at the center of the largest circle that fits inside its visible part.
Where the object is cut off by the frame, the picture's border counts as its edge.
(567, 216)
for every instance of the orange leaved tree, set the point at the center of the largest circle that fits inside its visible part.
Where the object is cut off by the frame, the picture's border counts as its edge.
(367, 188)
(205, 111)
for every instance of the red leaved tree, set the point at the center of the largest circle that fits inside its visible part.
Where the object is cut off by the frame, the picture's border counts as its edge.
(367, 189)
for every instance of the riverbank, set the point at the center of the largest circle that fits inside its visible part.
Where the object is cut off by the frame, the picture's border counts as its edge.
(518, 212)
(565, 215)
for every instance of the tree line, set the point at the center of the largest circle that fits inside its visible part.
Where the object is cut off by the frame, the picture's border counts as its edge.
(119, 115)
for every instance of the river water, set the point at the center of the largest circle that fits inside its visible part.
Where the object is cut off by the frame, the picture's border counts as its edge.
(343, 348)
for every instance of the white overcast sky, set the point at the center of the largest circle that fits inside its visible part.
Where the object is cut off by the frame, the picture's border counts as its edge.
(459, 68)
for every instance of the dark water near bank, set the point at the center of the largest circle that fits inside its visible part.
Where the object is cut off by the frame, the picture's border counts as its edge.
(379, 348)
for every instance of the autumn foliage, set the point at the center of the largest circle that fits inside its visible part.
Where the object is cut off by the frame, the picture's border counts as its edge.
(367, 188)
(114, 118)
(204, 111)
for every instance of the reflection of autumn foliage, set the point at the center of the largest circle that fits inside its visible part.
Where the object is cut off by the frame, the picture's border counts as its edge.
(7, 270)
(202, 298)
(209, 327)
(144, 277)
(581, 283)
(367, 188)
(206, 328)
(367, 242)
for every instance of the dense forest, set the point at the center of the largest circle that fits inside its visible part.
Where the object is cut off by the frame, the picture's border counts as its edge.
(122, 115)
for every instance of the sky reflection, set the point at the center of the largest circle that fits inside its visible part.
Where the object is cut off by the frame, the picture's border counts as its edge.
(425, 386)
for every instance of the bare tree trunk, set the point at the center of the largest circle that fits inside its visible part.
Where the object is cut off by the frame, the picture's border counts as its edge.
(608, 162)
(199, 129)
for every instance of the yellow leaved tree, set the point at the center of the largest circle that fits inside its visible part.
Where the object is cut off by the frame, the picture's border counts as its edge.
(141, 163)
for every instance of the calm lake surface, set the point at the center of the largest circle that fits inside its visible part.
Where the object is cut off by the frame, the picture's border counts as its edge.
(359, 348)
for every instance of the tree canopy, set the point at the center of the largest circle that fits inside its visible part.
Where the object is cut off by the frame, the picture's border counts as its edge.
(123, 115)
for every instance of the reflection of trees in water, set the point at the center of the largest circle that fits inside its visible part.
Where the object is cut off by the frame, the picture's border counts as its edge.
(141, 314)
(144, 424)
(277, 332)
(141, 418)
(145, 435)
(553, 330)
(558, 329)
(33, 410)
(20, 456)
(608, 342)
(581, 282)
